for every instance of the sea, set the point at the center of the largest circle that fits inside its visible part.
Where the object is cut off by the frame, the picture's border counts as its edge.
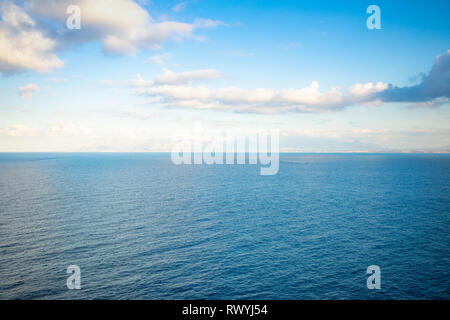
(140, 227)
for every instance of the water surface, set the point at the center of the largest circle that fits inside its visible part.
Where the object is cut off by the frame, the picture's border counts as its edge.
(140, 227)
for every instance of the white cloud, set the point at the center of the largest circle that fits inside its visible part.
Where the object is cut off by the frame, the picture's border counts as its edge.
(138, 114)
(238, 53)
(22, 45)
(160, 59)
(27, 90)
(175, 90)
(365, 89)
(173, 78)
(68, 129)
(20, 130)
(123, 26)
(139, 82)
(56, 80)
(106, 82)
(180, 6)
(292, 45)
(207, 23)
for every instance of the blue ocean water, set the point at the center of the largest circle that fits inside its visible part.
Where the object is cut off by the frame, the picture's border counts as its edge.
(140, 227)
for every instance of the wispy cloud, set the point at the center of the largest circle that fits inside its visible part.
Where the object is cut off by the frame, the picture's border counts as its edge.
(20, 130)
(239, 53)
(291, 45)
(107, 82)
(56, 80)
(180, 6)
(208, 23)
(168, 77)
(27, 90)
(160, 59)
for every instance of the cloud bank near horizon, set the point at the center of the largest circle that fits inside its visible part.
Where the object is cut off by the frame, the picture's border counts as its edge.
(175, 90)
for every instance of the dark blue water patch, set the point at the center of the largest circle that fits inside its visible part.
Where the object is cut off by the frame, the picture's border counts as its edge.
(140, 227)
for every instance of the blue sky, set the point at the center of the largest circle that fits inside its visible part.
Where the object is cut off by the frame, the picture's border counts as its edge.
(140, 70)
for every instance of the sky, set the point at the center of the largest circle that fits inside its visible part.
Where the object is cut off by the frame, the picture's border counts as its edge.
(136, 72)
